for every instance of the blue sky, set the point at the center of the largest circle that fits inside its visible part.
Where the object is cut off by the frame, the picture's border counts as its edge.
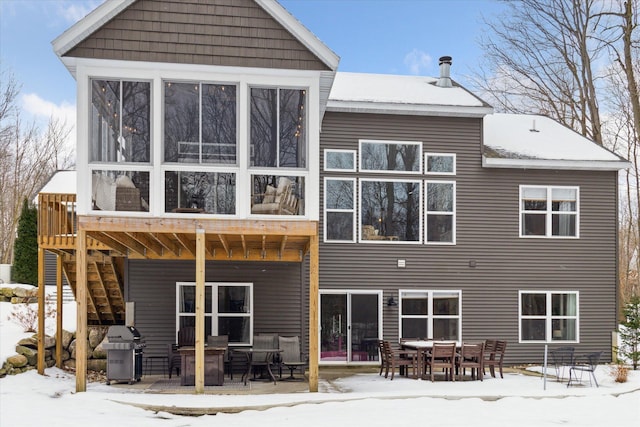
(373, 36)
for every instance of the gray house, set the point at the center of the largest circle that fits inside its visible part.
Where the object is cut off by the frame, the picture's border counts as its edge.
(231, 179)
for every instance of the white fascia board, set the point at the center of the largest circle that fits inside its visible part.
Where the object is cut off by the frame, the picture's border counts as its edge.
(87, 25)
(490, 162)
(300, 32)
(407, 109)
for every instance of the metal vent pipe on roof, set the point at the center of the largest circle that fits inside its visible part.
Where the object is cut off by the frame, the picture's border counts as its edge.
(445, 68)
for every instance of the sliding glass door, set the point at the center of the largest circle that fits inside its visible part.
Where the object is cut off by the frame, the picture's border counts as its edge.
(350, 326)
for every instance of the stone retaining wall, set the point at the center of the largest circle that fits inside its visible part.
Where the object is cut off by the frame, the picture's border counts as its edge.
(26, 357)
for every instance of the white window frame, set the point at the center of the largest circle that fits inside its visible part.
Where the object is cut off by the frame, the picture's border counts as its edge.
(453, 213)
(420, 207)
(214, 315)
(429, 317)
(548, 317)
(336, 151)
(385, 142)
(353, 211)
(548, 212)
(426, 163)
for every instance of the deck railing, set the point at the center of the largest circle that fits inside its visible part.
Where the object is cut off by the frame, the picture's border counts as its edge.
(57, 221)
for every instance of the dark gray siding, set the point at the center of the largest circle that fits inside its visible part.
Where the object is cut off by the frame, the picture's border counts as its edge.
(277, 291)
(50, 268)
(216, 32)
(487, 232)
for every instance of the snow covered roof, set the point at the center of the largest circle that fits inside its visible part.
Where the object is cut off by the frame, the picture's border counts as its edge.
(538, 142)
(62, 182)
(392, 94)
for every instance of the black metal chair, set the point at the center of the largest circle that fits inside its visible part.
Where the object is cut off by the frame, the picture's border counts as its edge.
(291, 356)
(562, 357)
(174, 359)
(589, 363)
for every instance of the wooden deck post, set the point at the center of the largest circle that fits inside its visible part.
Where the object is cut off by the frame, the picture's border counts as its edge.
(313, 311)
(200, 304)
(81, 301)
(59, 313)
(41, 311)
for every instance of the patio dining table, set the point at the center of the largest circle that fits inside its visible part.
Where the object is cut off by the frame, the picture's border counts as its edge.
(423, 347)
(250, 352)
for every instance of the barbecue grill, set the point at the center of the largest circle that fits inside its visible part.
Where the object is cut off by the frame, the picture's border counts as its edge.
(124, 354)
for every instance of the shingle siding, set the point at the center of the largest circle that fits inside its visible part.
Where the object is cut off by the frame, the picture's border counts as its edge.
(487, 232)
(227, 33)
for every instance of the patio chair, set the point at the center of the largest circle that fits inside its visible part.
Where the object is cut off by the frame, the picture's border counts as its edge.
(222, 341)
(174, 359)
(471, 356)
(291, 357)
(187, 336)
(260, 360)
(384, 365)
(443, 355)
(495, 357)
(562, 357)
(399, 358)
(589, 365)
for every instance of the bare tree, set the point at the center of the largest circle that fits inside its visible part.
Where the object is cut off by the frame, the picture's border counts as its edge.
(28, 157)
(539, 58)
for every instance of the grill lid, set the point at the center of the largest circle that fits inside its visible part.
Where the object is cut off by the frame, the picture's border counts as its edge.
(122, 333)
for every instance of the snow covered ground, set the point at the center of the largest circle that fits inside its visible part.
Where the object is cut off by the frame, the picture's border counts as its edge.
(30, 399)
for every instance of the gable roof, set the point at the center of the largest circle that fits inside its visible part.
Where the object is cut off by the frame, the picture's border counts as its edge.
(395, 94)
(108, 10)
(538, 142)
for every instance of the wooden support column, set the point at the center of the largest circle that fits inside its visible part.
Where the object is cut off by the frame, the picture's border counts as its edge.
(59, 313)
(41, 311)
(81, 301)
(200, 304)
(313, 311)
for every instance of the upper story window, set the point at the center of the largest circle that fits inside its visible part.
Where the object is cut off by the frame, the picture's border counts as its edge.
(441, 164)
(441, 211)
(120, 121)
(390, 210)
(200, 123)
(548, 316)
(278, 128)
(340, 160)
(549, 211)
(339, 209)
(390, 156)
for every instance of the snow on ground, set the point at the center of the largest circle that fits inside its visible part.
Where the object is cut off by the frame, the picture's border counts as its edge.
(30, 399)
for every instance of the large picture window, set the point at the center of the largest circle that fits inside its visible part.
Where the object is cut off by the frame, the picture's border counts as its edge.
(120, 121)
(228, 309)
(548, 316)
(390, 156)
(430, 314)
(199, 123)
(549, 211)
(339, 209)
(440, 212)
(278, 128)
(390, 210)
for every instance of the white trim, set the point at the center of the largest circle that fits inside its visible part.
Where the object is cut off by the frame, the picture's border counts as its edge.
(353, 210)
(406, 109)
(430, 316)
(87, 25)
(214, 315)
(300, 32)
(453, 213)
(548, 316)
(426, 163)
(548, 212)
(390, 142)
(331, 150)
(348, 293)
(420, 207)
(491, 162)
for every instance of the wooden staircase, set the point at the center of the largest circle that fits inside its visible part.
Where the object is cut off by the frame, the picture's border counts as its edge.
(105, 297)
